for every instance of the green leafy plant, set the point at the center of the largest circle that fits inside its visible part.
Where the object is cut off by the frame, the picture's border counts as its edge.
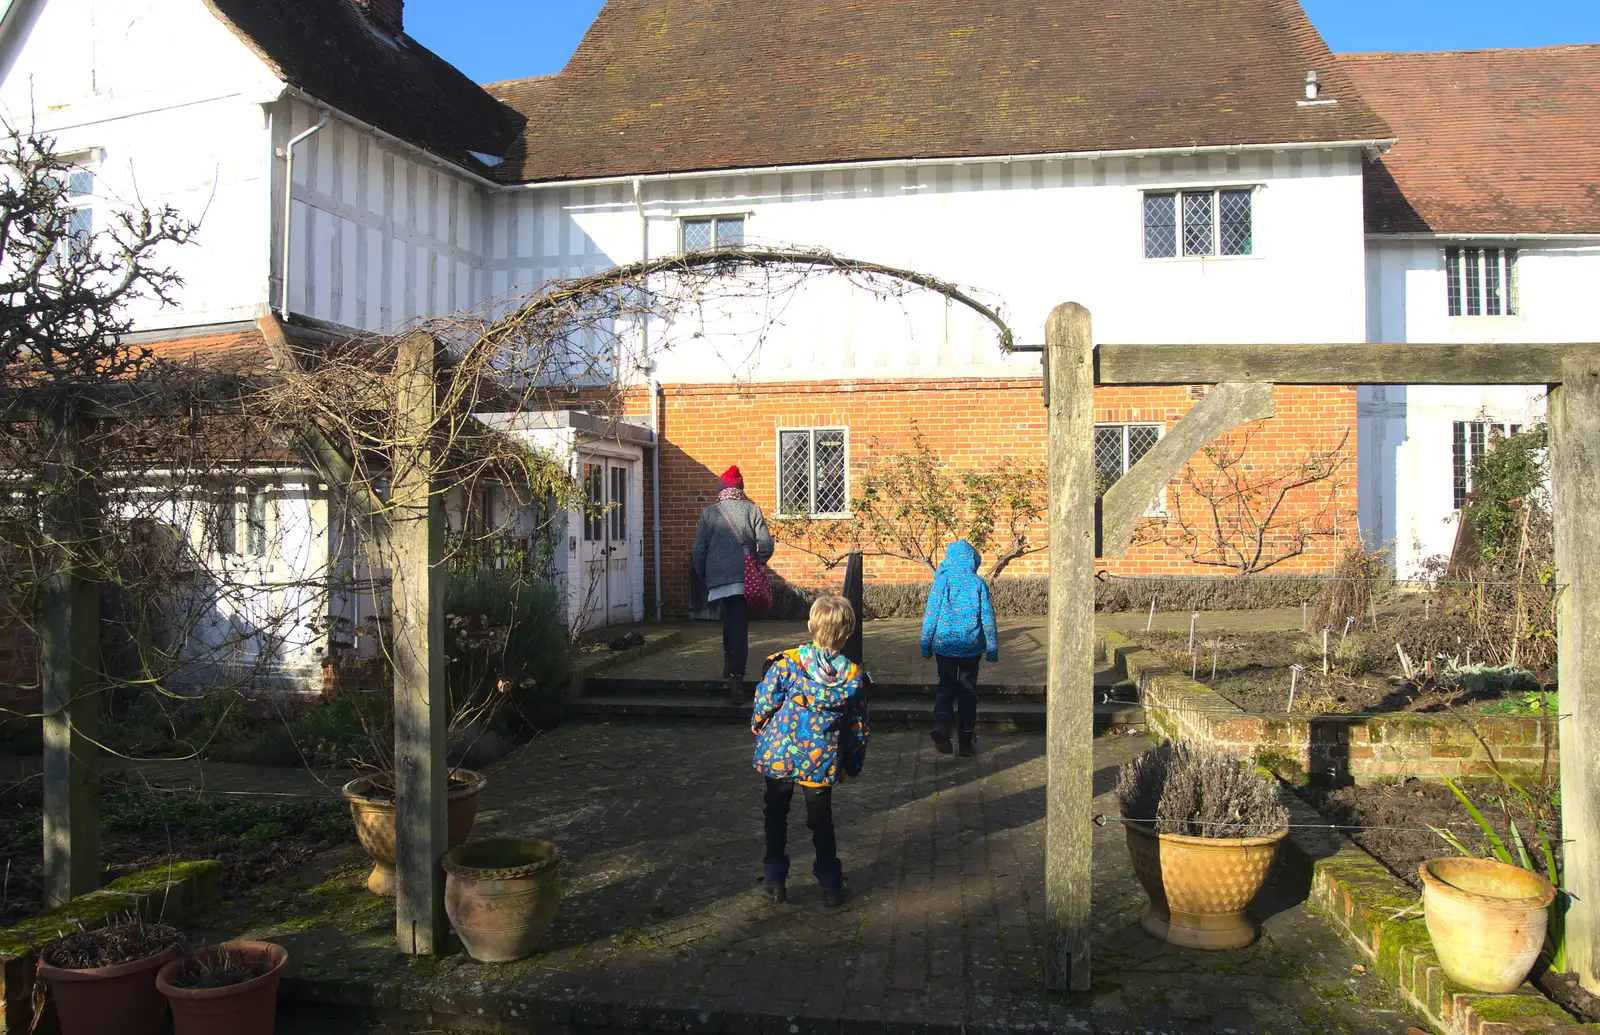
(1516, 849)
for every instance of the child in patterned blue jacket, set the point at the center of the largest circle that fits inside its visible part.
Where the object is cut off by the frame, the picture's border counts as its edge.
(959, 630)
(810, 722)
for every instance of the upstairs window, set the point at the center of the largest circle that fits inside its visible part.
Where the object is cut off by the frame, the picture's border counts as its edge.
(1198, 223)
(1473, 440)
(79, 231)
(703, 234)
(813, 466)
(1481, 281)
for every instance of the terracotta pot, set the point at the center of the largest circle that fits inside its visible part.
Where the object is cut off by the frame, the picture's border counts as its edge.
(119, 1000)
(1487, 920)
(1199, 887)
(501, 895)
(374, 821)
(248, 1008)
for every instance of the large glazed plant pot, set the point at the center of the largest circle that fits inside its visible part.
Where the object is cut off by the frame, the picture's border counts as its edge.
(1199, 887)
(374, 821)
(1487, 920)
(501, 895)
(247, 1008)
(119, 1000)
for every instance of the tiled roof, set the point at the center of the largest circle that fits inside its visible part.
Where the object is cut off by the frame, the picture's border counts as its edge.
(672, 85)
(328, 49)
(1491, 141)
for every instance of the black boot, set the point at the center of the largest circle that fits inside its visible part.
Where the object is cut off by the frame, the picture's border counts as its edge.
(966, 739)
(775, 875)
(941, 735)
(736, 691)
(833, 892)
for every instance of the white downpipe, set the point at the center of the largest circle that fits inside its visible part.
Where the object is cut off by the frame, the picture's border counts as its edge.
(288, 204)
(655, 405)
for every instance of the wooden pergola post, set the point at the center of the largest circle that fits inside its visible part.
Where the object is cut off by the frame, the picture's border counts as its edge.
(416, 551)
(69, 661)
(1069, 716)
(1574, 422)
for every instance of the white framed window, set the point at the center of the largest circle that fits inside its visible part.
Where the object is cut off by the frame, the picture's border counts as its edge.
(236, 508)
(1471, 442)
(703, 233)
(1193, 223)
(594, 489)
(1117, 447)
(79, 231)
(1481, 282)
(813, 472)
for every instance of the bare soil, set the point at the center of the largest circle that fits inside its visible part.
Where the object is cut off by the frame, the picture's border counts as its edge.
(1253, 670)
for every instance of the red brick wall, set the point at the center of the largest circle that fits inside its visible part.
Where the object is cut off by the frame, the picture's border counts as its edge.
(970, 423)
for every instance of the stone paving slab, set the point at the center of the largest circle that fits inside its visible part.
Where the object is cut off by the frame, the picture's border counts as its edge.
(664, 926)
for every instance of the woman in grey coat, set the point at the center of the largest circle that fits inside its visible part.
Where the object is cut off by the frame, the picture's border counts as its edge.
(727, 528)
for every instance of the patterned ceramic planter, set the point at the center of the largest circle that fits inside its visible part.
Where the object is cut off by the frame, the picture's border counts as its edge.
(1199, 887)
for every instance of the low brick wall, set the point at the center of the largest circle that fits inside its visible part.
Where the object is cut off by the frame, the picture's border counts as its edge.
(1378, 914)
(165, 894)
(1332, 746)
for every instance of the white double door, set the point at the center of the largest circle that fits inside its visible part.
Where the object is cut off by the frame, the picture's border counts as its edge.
(608, 545)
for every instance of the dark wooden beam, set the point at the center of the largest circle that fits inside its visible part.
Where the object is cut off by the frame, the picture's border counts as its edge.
(1339, 364)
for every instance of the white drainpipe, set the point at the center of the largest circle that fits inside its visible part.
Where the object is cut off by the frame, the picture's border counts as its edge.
(288, 202)
(655, 405)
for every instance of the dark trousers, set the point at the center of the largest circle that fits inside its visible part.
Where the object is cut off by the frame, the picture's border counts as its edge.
(735, 636)
(819, 817)
(958, 693)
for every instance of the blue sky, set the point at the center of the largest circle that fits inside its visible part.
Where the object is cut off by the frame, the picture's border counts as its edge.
(509, 39)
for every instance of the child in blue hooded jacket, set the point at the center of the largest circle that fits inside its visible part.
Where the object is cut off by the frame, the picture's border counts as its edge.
(958, 630)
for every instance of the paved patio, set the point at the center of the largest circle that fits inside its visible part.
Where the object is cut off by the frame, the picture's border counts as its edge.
(664, 925)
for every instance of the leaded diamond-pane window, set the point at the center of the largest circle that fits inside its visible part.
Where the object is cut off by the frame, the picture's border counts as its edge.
(1117, 447)
(1160, 226)
(813, 472)
(1199, 227)
(1234, 222)
(1207, 222)
(1471, 442)
(696, 235)
(713, 232)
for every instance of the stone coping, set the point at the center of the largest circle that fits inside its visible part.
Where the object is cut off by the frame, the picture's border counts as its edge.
(595, 664)
(164, 894)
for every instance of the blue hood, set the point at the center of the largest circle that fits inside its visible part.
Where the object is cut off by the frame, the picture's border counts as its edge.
(959, 622)
(961, 557)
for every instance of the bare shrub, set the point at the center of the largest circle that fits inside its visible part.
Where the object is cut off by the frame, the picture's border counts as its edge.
(1199, 792)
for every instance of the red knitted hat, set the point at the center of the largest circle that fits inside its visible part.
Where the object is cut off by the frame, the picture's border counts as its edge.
(731, 479)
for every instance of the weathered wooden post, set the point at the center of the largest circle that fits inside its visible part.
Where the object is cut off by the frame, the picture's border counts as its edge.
(1069, 723)
(1575, 482)
(69, 654)
(855, 578)
(416, 551)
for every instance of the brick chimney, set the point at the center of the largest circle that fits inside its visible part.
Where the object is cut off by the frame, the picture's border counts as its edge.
(388, 16)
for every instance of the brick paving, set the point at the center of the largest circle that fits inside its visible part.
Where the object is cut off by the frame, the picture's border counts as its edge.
(664, 926)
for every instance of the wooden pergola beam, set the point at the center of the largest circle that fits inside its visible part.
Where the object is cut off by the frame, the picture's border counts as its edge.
(1361, 363)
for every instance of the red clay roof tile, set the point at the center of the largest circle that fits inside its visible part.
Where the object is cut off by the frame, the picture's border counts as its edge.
(1491, 141)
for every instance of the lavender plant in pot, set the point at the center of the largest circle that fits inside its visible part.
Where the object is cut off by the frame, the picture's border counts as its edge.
(1203, 831)
(103, 981)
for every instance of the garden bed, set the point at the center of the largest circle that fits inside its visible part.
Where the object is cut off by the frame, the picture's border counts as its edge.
(256, 839)
(1253, 671)
(1391, 821)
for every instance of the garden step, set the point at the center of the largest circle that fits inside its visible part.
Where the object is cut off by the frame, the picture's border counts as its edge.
(634, 685)
(888, 709)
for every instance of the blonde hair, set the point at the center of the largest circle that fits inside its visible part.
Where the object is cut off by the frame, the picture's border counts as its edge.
(832, 622)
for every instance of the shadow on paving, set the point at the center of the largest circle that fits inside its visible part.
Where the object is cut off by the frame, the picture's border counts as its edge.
(664, 925)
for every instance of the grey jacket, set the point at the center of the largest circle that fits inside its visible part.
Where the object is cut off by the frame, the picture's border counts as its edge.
(718, 553)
